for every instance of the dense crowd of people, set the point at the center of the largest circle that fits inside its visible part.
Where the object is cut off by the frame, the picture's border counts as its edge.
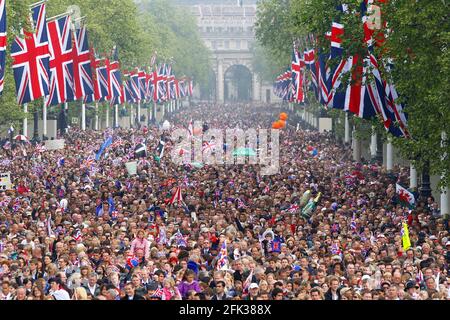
(75, 228)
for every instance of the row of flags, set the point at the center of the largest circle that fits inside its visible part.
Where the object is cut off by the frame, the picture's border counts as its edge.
(55, 62)
(367, 93)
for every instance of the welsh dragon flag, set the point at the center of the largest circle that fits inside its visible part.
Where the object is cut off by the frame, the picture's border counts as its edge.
(406, 198)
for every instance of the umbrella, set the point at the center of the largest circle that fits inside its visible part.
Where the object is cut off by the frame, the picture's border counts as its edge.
(20, 137)
(244, 152)
(198, 165)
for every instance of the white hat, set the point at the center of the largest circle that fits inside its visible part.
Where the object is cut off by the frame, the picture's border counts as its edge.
(365, 277)
(253, 286)
(447, 243)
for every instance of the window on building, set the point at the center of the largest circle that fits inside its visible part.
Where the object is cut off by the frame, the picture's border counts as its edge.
(238, 44)
(227, 44)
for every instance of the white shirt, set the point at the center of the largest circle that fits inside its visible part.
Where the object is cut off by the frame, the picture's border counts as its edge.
(7, 297)
(92, 289)
(61, 294)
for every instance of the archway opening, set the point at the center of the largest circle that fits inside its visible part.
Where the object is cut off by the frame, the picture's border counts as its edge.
(238, 84)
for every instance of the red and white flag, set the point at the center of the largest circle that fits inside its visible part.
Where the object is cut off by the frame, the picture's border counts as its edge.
(177, 197)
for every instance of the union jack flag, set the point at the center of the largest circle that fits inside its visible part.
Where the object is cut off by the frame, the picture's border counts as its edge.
(222, 258)
(82, 72)
(149, 86)
(61, 62)
(297, 67)
(293, 208)
(182, 88)
(40, 148)
(31, 59)
(134, 86)
(160, 80)
(99, 78)
(117, 143)
(335, 249)
(208, 146)
(2, 43)
(89, 162)
(127, 92)
(142, 84)
(114, 78)
(78, 237)
(16, 204)
(181, 241)
(5, 202)
(158, 293)
(171, 95)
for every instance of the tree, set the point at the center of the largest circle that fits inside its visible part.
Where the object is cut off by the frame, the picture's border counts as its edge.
(136, 31)
(417, 36)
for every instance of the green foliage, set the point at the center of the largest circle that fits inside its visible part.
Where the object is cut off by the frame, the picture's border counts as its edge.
(417, 41)
(138, 32)
(274, 32)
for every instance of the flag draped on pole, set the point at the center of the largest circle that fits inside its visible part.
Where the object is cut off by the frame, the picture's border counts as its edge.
(61, 62)
(82, 71)
(2, 43)
(30, 56)
(99, 78)
(405, 197)
(297, 67)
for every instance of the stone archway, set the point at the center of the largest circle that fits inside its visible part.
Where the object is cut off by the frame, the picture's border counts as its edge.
(238, 84)
(224, 66)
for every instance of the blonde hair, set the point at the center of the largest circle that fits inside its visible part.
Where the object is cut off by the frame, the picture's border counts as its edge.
(169, 281)
(80, 294)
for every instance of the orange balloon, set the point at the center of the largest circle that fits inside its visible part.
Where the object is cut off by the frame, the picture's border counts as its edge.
(282, 123)
(283, 116)
(275, 125)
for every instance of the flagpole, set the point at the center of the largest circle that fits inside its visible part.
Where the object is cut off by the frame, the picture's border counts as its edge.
(131, 114)
(389, 155)
(83, 117)
(116, 116)
(355, 145)
(347, 128)
(445, 191)
(139, 113)
(96, 116)
(66, 107)
(44, 120)
(107, 117)
(25, 120)
(373, 144)
(412, 177)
